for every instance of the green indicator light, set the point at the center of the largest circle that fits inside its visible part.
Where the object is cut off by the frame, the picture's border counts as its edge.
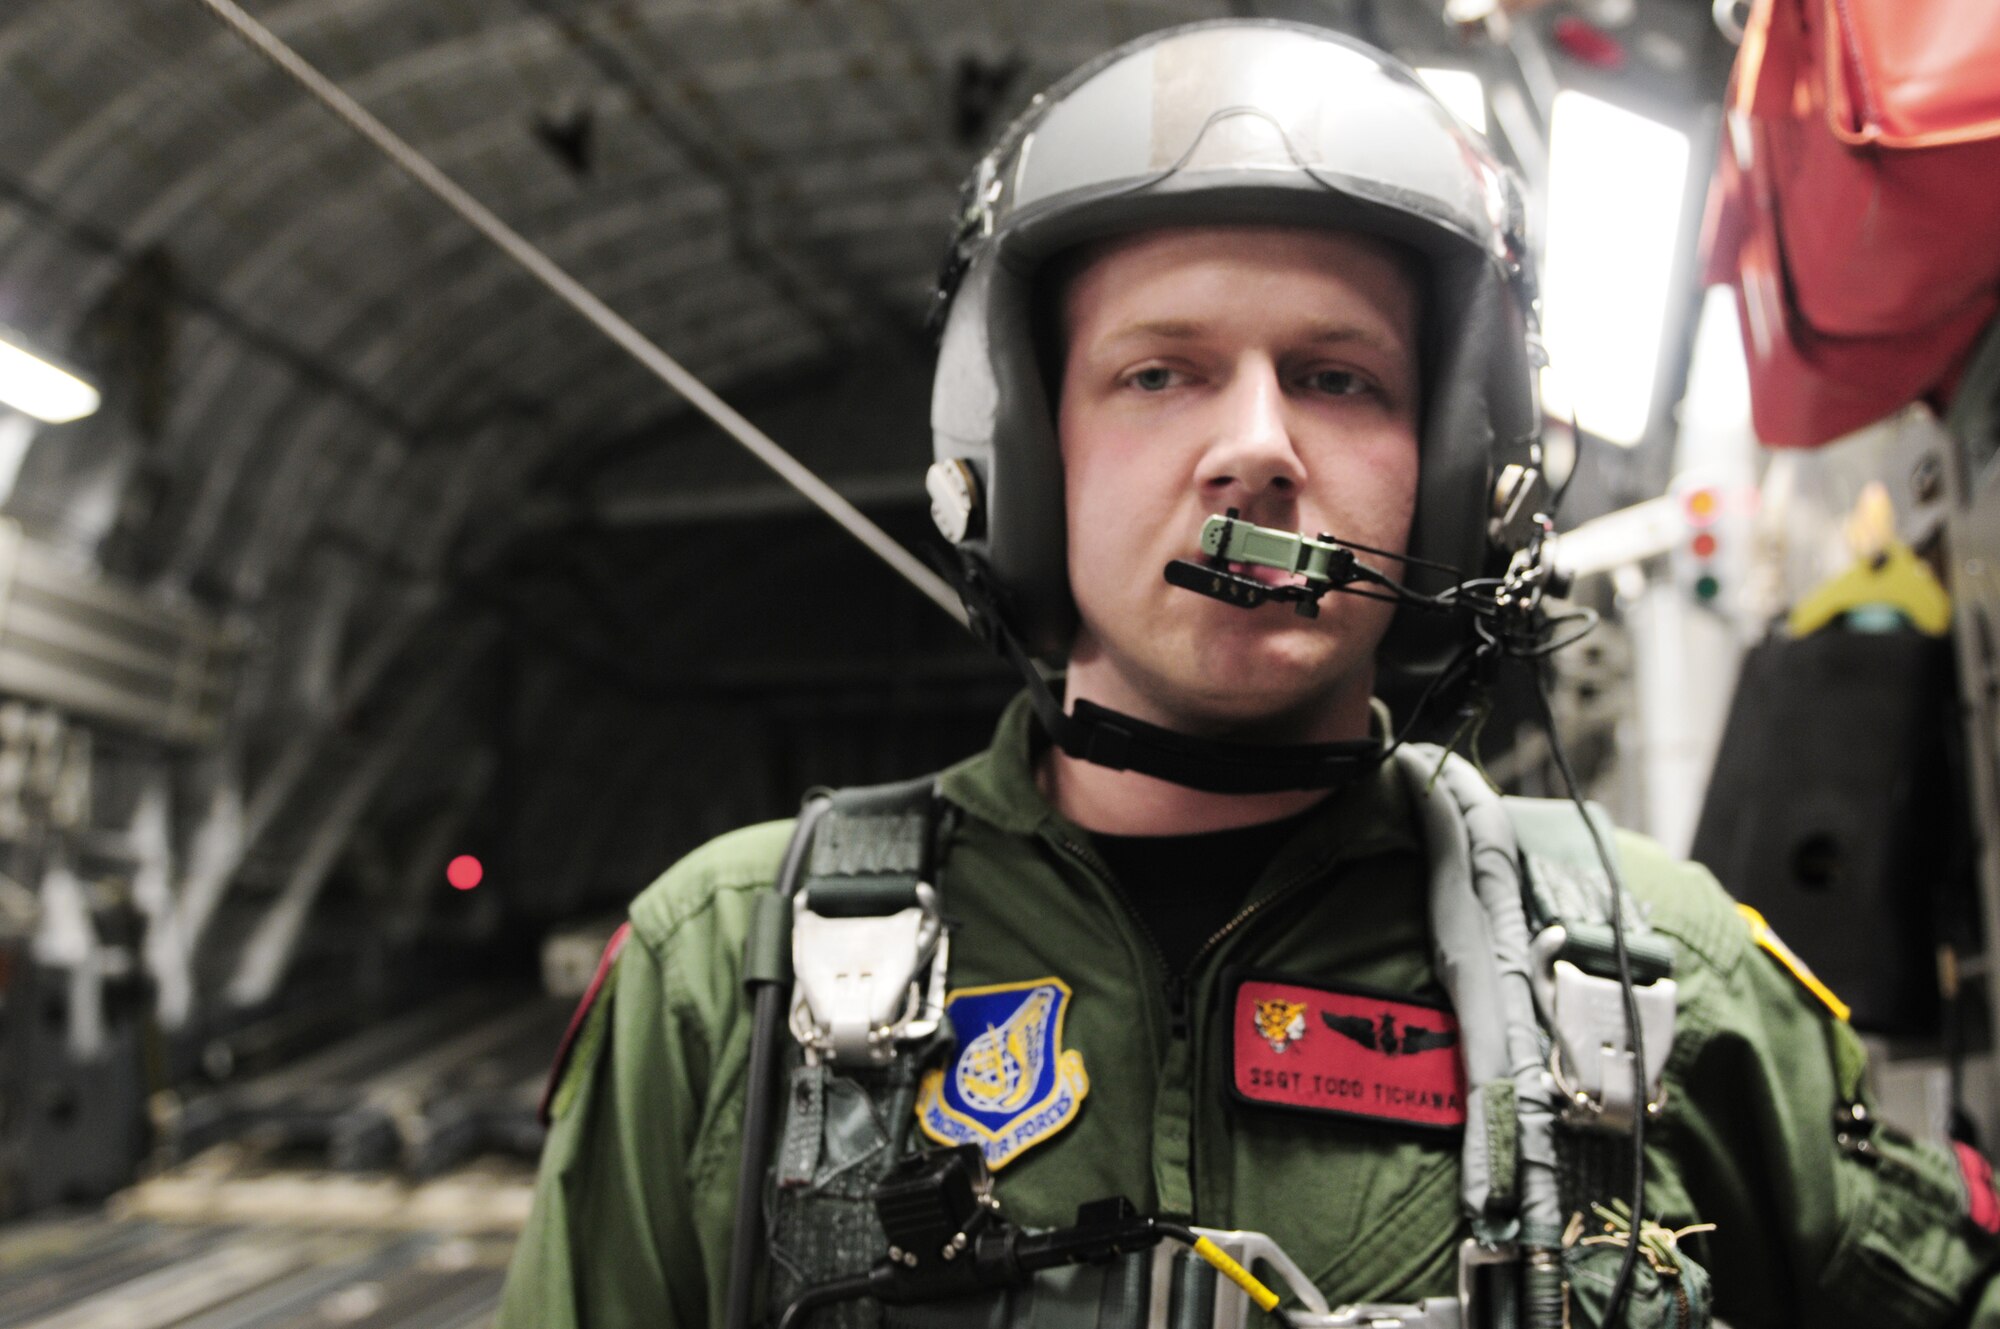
(1706, 588)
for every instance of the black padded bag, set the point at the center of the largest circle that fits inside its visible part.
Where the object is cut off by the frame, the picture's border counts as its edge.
(1833, 811)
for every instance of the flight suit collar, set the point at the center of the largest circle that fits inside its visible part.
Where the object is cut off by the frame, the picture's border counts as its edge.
(1370, 816)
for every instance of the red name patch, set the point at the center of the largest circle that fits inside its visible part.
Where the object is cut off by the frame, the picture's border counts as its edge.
(1353, 1053)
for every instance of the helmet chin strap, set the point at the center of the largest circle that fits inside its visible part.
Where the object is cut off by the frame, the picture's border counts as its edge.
(1104, 737)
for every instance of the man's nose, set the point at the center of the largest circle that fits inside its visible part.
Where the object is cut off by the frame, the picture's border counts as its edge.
(1252, 453)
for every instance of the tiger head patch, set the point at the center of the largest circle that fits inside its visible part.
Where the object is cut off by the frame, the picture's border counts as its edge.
(1281, 1023)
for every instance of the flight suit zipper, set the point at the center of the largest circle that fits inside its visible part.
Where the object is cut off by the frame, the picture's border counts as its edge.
(1176, 985)
(1251, 910)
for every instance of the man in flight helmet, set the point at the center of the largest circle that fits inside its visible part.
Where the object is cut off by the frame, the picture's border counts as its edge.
(1194, 950)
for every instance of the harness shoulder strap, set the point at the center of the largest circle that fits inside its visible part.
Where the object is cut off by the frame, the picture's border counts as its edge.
(1568, 892)
(874, 834)
(866, 945)
(1512, 880)
(866, 926)
(1565, 885)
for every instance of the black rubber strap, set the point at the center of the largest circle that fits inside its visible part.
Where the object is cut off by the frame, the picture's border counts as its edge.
(768, 979)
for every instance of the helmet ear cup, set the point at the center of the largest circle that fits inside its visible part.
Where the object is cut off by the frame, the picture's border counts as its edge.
(1471, 328)
(958, 499)
(989, 397)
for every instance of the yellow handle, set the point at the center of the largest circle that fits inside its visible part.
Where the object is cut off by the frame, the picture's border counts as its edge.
(1236, 1273)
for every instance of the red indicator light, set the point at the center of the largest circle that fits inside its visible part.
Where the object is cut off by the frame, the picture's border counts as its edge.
(464, 872)
(1703, 545)
(1589, 45)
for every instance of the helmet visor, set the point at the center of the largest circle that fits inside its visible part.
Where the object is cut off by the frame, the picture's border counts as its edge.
(1277, 105)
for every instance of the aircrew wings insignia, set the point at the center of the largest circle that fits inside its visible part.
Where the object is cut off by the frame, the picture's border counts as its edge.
(1383, 1036)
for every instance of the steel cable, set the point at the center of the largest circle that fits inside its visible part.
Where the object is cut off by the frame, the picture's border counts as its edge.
(578, 297)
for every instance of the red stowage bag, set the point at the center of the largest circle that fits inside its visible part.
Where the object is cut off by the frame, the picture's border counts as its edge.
(1856, 207)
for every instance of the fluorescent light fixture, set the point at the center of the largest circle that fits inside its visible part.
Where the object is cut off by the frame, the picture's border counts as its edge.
(35, 387)
(1616, 182)
(17, 431)
(1461, 92)
(1718, 388)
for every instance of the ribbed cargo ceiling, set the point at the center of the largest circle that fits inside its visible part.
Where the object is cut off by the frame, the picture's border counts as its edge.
(485, 571)
(754, 185)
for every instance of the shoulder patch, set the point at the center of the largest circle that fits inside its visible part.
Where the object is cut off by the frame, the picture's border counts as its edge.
(1767, 940)
(1982, 1202)
(582, 1034)
(1011, 1085)
(1348, 1052)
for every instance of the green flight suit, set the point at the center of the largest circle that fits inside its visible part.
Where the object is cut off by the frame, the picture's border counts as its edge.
(637, 1188)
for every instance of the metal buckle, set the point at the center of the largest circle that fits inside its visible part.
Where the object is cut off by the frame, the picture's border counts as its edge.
(1232, 1304)
(1431, 1313)
(1472, 1256)
(860, 987)
(1591, 1060)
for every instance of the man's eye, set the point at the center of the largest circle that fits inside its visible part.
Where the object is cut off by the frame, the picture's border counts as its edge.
(1153, 378)
(1337, 382)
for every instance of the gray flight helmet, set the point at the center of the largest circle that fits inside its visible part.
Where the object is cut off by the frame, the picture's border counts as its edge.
(1231, 122)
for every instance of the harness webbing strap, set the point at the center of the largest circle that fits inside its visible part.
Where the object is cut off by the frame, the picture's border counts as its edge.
(1566, 884)
(869, 841)
(1501, 873)
(871, 849)
(844, 1127)
(868, 851)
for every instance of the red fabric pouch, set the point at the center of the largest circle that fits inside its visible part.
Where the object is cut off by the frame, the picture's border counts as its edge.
(1856, 207)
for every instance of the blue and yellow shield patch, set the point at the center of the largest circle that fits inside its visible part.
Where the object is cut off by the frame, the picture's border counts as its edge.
(1011, 1085)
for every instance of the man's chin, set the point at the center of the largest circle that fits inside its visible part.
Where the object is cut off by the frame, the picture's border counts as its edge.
(1271, 710)
(1277, 726)
(1274, 685)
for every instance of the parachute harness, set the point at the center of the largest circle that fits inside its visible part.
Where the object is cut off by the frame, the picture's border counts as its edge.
(1508, 620)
